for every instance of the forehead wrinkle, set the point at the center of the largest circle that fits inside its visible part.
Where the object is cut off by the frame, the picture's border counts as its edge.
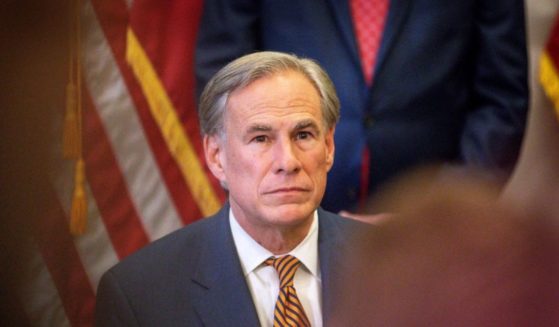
(282, 104)
(275, 108)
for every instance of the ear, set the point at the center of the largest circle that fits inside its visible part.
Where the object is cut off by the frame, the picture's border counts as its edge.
(213, 151)
(330, 147)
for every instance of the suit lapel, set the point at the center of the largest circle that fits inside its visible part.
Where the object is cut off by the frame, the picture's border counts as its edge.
(397, 14)
(331, 250)
(223, 297)
(342, 16)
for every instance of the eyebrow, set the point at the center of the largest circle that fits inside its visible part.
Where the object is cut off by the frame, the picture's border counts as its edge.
(307, 123)
(259, 128)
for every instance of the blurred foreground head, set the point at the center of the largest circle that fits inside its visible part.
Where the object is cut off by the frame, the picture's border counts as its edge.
(451, 257)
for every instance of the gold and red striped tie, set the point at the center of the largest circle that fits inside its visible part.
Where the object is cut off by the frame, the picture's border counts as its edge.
(288, 311)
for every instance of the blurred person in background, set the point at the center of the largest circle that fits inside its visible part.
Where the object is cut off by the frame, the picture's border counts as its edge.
(532, 186)
(34, 74)
(451, 256)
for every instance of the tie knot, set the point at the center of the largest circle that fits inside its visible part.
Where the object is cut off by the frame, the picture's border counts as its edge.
(286, 267)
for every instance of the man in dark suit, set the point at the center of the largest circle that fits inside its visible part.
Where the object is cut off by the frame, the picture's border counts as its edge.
(268, 122)
(449, 82)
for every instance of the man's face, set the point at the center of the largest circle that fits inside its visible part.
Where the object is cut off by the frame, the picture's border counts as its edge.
(275, 154)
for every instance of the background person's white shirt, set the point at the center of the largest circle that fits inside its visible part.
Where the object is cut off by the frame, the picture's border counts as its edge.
(263, 280)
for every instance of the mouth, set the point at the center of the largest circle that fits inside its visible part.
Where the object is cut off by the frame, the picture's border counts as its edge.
(288, 190)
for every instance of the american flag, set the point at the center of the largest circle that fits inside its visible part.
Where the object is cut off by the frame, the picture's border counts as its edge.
(144, 167)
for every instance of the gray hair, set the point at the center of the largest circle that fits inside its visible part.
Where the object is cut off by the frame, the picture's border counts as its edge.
(249, 68)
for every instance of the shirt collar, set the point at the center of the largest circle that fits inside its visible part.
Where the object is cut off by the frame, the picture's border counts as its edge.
(252, 254)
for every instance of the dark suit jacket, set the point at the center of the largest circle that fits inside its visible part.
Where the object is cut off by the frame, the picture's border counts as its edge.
(193, 277)
(450, 83)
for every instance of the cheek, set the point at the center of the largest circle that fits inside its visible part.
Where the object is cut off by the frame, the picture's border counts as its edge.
(242, 169)
(318, 167)
(319, 159)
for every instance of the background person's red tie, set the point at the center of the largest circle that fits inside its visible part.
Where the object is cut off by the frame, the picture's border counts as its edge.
(288, 311)
(368, 21)
(369, 17)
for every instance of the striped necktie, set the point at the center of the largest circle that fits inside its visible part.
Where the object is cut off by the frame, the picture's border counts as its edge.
(288, 311)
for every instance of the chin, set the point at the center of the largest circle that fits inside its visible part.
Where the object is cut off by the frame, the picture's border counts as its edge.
(295, 213)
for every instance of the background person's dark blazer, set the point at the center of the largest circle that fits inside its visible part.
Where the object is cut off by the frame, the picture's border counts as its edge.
(450, 82)
(193, 277)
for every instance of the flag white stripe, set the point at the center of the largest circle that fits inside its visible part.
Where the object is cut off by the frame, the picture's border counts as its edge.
(94, 247)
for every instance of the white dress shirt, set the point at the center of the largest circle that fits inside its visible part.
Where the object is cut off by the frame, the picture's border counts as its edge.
(263, 280)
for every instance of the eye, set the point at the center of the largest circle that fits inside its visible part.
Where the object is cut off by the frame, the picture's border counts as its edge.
(303, 135)
(260, 139)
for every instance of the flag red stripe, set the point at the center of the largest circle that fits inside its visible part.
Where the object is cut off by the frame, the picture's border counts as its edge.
(64, 264)
(172, 55)
(113, 18)
(109, 188)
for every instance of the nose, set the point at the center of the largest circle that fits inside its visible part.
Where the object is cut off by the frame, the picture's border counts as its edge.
(286, 157)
